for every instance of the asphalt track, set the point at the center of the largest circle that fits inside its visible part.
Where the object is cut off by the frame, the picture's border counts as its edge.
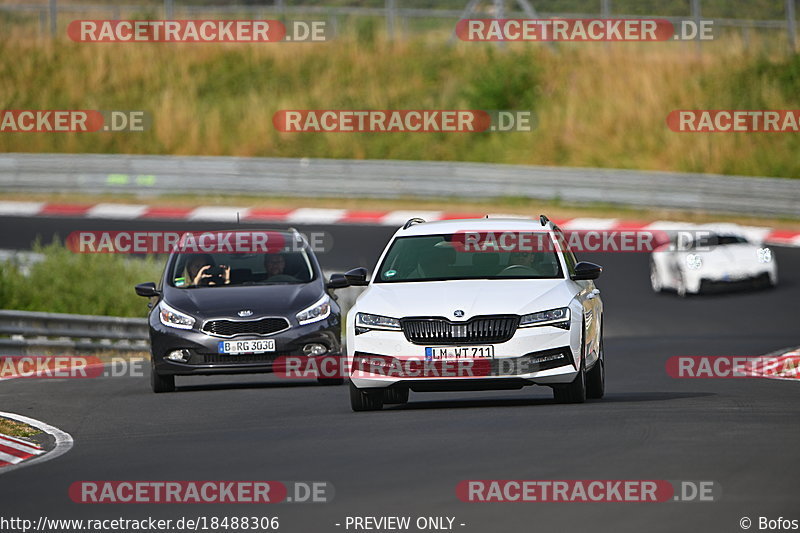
(406, 461)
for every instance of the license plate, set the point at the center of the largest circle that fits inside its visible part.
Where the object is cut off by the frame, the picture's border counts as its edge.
(449, 353)
(246, 346)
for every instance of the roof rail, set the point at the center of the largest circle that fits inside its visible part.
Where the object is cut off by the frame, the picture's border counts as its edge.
(543, 220)
(412, 221)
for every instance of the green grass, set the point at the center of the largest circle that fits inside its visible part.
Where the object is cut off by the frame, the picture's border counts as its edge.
(89, 284)
(12, 428)
(595, 105)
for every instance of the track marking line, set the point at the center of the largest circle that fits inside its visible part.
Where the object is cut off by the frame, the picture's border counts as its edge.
(63, 443)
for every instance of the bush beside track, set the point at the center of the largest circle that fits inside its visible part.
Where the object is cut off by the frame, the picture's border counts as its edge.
(87, 284)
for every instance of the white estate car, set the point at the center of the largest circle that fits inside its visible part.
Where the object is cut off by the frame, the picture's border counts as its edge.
(712, 261)
(437, 316)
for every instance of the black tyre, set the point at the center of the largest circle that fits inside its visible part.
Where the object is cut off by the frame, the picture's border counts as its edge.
(596, 377)
(655, 279)
(161, 383)
(575, 392)
(330, 381)
(365, 399)
(395, 396)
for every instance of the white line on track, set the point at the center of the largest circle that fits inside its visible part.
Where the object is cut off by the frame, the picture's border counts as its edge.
(62, 438)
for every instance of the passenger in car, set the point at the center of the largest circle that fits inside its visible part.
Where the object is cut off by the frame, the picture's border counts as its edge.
(201, 271)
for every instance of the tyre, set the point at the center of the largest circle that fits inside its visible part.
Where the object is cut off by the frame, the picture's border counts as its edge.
(596, 377)
(655, 279)
(574, 392)
(366, 399)
(395, 396)
(330, 381)
(681, 287)
(161, 383)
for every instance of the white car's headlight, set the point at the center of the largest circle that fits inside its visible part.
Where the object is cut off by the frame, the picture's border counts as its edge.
(173, 318)
(693, 262)
(543, 318)
(320, 310)
(364, 320)
(764, 255)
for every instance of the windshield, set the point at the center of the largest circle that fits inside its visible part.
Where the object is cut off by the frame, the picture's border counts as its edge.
(709, 241)
(191, 270)
(436, 258)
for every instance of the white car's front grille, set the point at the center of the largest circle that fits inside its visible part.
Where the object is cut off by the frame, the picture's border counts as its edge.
(437, 330)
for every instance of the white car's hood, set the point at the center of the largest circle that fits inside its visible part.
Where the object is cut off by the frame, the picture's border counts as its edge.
(474, 297)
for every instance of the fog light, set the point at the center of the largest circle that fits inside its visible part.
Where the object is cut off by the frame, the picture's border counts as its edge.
(315, 349)
(181, 356)
(546, 358)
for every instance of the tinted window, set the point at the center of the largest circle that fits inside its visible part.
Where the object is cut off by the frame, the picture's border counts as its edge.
(434, 257)
(191, 270)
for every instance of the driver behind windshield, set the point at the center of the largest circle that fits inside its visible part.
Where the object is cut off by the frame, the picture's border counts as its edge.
(274, 264)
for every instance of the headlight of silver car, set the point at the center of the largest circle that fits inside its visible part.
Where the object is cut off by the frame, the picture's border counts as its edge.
(320, 310)
(544, 318)
(693, 262)
(764, 255)
(173, 318)
(367, 321)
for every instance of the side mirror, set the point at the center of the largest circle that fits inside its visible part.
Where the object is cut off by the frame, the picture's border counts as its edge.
(585, 270)
(338, 281)
(357, 277)
(148, 290)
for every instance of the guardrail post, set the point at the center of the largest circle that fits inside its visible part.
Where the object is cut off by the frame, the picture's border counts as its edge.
(391, 16)
(605, 8)
(53, 18)
(696, 18)
(791, 25)
(605, 12)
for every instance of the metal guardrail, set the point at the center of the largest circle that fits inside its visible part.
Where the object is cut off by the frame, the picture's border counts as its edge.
(24, 332)
(32, 333)
(392, 10)
(134, 174)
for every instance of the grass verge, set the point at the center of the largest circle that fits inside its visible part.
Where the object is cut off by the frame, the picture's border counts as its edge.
(12, 428)
(596, 105)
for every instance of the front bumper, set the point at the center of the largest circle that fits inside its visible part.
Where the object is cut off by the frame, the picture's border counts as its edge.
(712, 281)
(543, 355)
(205, 359)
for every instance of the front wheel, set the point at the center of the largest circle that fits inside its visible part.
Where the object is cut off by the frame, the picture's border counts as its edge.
(655, 278)
(161, 383)
(365, 399)
(574, 392)
(596, 377)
